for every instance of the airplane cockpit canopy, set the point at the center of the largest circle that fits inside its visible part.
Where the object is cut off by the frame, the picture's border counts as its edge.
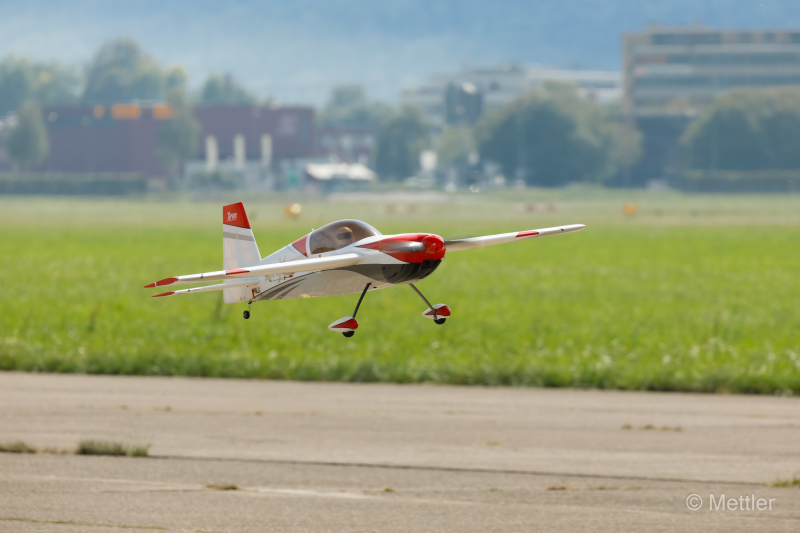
(339, 234)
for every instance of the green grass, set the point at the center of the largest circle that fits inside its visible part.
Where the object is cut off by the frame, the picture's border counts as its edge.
(102, 447)
(85, 447)
(16, 447)
(667, 300)
(785, 483)
(222, 487)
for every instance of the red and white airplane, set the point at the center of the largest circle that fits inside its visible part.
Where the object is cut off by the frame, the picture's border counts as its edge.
(343, 257)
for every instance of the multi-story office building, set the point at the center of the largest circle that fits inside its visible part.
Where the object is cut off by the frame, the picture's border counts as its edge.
(493, 87)
(681, 70)
(671, 74)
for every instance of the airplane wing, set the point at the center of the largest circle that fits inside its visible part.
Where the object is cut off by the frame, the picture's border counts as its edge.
(455, 245)
(290, 267)
(209, 288)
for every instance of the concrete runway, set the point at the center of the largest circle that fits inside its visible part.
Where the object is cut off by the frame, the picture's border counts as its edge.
(331, 457)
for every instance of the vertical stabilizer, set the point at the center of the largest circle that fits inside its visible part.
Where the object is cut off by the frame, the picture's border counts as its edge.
(239, 249)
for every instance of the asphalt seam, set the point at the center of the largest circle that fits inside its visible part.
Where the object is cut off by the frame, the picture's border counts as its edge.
(453, 469)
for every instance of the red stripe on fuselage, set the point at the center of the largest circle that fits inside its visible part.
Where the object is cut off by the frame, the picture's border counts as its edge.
(409, 247)
(237, 271)
(300, 245)
(527, 233)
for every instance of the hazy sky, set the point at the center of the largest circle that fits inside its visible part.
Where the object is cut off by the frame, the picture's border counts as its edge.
(295, 50)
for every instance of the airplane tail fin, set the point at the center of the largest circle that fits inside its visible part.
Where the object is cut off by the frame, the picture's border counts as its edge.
(239, 248)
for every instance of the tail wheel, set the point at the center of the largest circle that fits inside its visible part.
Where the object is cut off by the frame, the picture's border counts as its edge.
(440, 321)
(349, 334)
(246, 315)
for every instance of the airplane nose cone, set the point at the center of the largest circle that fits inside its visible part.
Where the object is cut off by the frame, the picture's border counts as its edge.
(433, 244)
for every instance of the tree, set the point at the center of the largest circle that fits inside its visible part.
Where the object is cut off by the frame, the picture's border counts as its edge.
(120, 72)
(16, 84)
(175, 80)
(55, 84)
(401, 138)
(349, 107)
(44, 83)
(224, 90)
(747, 129)
(177, 138)
(456, 145)
(27, 141)
(552, 137)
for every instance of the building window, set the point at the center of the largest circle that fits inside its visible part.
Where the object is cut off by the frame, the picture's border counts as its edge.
(687, 38)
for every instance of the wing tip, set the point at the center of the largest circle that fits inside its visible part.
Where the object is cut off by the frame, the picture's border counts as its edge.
(161, 283)
(164, 294)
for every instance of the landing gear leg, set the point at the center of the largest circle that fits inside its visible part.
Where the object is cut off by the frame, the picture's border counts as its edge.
(436, 318)
(246, 314)
(361, 298)
(351, 333)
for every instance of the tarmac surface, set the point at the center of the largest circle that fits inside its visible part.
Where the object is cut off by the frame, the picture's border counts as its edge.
(332, 457)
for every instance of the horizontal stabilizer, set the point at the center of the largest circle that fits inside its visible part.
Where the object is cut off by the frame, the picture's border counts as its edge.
(455, 245)
(290, 267)
(210, 288)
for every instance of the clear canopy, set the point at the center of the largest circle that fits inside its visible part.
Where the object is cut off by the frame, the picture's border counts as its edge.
(339, 234)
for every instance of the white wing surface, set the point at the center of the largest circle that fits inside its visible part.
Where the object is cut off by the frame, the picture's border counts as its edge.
(221, 287)
(455, 245)
(305, 265)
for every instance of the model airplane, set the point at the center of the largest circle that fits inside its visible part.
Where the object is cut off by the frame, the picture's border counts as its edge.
(343, 257)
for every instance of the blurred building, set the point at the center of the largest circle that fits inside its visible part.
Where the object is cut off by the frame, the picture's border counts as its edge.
(124, 137)
(119, 138)
(671, 74)
(463, 96)
(255, 133)
(348, 145)
(681, 70)
(322, 173)
(250, 142)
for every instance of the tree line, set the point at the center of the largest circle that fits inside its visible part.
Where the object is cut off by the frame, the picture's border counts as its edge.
(550, 136)
(747, 130)
(120, 71)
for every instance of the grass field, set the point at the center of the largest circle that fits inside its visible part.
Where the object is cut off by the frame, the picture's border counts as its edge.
(694, 293)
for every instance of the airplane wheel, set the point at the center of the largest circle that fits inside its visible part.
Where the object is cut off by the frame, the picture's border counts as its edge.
(246, 315)
(348, 334)
(440, 321)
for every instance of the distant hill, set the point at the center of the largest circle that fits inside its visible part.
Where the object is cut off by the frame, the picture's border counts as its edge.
(295, 50)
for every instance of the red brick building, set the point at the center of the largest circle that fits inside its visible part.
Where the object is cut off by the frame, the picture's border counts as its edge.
(124, 138)
(290, 128)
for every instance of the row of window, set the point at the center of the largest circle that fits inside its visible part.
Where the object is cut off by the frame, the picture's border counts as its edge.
(348, 141)
(781, 58)
(718, 81)
(716, 38)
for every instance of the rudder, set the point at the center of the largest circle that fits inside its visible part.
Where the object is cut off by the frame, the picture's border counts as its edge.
(239, 248)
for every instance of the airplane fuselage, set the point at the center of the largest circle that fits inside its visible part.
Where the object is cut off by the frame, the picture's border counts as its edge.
(388, 260)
